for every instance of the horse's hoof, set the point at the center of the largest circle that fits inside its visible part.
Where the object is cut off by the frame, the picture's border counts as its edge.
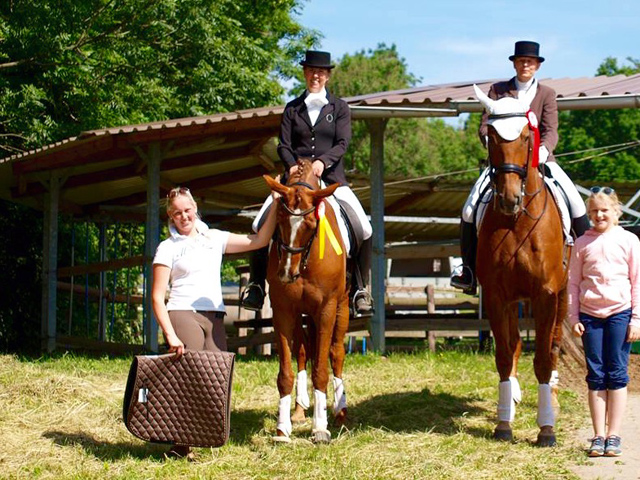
(340, 417)
(298, 415)
(281, 439)
(546, 440)
(321, 436)
(503, 435)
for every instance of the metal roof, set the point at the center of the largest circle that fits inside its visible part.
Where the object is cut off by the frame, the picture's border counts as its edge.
(221, 159)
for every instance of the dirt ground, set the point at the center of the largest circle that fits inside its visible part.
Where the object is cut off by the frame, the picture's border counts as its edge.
(628, 465)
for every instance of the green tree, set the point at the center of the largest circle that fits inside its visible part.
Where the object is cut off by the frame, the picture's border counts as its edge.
(583, 130)
(67, 66)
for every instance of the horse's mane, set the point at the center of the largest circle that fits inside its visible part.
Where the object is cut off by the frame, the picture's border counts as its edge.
(304, 173)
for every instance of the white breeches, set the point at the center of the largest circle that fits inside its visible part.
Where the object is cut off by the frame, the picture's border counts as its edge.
(509, 394)
(344, 194)
(578, 208)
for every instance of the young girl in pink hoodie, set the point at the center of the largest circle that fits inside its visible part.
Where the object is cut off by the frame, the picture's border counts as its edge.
(604, 309)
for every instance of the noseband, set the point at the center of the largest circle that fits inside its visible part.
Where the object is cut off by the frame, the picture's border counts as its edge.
(305, 249)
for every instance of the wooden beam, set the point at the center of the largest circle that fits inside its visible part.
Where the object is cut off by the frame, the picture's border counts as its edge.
(99, 267)
(405, 202)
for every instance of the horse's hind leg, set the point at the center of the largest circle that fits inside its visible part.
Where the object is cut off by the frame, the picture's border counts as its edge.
(300, 345)
(504, 325)
(336, 355)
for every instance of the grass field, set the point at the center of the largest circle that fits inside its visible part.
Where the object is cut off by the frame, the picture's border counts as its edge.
(412, 415)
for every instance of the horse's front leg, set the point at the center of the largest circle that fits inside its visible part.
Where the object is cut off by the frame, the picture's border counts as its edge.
(325, 322)
(336, 355)
(504, 325)
(284, 328)
(545, 362)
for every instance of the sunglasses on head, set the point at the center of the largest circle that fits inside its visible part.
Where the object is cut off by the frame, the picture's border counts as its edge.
(605, 190)
(174, 192)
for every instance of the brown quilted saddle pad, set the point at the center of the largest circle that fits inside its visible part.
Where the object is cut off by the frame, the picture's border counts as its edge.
(183, 401)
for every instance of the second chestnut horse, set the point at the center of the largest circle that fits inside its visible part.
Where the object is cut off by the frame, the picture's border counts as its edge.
(521, 255)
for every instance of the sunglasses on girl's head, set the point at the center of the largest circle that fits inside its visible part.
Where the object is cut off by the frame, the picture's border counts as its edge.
(174, 192)
(605, 190)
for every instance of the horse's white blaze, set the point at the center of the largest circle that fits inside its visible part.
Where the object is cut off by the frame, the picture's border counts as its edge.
(546, 416)
(295, 222)
(509, 394)
(302, 391)
(339, 396)
(319, 411)
(284, 415)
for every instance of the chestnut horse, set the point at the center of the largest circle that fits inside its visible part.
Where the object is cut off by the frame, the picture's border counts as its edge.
(307, 276)
(521, 255)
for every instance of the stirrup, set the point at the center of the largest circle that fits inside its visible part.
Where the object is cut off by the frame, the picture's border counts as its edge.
(250, 303)
(365, 296)
(466, 284)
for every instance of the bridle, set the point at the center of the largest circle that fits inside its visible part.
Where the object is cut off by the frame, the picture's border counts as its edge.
(519, 170)
(306, 248)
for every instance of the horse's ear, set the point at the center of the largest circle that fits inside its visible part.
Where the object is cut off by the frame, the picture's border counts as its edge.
(325, 192)
(276, 185)
(483, 98)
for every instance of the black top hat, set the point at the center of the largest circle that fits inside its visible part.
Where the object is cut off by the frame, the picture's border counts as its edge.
(525, 48)
(314, 58)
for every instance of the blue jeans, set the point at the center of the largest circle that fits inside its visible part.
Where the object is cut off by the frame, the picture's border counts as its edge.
(606, 350)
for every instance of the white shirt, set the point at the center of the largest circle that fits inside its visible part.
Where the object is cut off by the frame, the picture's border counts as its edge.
(195, 268)
(315, 102)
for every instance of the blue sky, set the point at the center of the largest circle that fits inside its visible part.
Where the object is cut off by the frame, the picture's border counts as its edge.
(451, 41)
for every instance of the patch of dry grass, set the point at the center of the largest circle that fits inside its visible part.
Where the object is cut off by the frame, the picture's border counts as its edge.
(411, 415)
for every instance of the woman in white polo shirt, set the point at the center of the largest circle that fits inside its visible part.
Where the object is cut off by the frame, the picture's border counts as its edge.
(188, 262)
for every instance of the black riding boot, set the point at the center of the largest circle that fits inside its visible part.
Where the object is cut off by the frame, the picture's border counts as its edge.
(466, 280)
(580, 225)
(362, 301)
(253, 295)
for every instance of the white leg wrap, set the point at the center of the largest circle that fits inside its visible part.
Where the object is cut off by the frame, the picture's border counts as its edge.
(509, 394)
(553, 382)
(319, 411)
(339, 396)
(546, 417)
(302, 391)
(284, 415)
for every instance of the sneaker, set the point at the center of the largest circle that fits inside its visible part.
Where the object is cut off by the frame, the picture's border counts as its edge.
(597, 447)
(465, 281)
(612, 446)
(363, 303)
(253, 297)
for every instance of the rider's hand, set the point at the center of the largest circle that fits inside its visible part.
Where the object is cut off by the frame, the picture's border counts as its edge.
(317, 167)
(293, 170)
(543, 154)
(633, 333)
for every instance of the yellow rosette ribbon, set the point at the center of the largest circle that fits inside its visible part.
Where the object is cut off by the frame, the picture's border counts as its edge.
(324, 229)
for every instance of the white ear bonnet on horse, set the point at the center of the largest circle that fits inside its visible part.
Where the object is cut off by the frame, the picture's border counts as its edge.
(508, 128)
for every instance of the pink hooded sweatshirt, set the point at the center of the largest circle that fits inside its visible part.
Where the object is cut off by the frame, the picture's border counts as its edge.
(604, 275)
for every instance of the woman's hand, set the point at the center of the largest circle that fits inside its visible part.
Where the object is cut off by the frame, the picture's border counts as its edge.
(578, 329)
(318, 168)
(293, 170)
(175, 345)
(633, 333)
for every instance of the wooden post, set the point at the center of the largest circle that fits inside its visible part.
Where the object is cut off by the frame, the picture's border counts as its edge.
(152, 239)
(264, 348)
(378, 266)
(50, 264)
(431, 308)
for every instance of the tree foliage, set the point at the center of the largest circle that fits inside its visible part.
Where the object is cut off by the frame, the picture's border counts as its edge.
(67, 66)
(586, 132)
